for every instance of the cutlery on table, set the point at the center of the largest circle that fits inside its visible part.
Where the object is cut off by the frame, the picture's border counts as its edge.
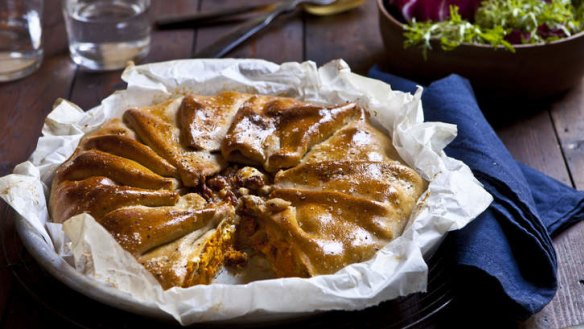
(247, 29)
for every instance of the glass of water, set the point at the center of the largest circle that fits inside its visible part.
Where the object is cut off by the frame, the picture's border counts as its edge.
(106, 34)
(21, 51)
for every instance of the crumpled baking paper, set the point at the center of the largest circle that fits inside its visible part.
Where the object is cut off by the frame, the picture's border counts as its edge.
(454, 197)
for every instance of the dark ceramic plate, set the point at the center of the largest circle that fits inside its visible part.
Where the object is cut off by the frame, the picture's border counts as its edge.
(80, 304)
(533, 71)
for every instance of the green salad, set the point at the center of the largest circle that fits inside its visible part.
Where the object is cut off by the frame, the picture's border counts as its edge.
(499, 23)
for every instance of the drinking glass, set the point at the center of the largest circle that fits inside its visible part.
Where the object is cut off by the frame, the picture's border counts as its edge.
(106, 34)
(21, 51)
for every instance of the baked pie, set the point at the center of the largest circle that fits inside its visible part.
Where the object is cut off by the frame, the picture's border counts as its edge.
(197, 182)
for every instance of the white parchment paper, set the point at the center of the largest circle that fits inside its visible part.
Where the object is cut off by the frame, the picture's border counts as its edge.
(454, 197)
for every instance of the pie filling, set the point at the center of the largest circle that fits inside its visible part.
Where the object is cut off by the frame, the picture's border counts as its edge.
(196, 183)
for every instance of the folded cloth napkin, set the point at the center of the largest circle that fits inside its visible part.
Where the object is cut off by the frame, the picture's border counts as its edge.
(505, 257)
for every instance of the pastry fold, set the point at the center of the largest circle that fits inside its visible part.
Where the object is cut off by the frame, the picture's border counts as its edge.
(196, 182)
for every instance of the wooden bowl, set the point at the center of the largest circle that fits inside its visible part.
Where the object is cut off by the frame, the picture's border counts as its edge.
(533, 71)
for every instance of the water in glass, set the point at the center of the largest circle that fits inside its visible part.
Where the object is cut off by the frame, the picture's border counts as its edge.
(106, 34)
(21, 51)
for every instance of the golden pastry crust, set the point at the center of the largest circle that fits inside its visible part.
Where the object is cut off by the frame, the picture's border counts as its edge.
(195, 182)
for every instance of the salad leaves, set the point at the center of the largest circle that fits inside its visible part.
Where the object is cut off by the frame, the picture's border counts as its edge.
(452, 33)
(497, 23)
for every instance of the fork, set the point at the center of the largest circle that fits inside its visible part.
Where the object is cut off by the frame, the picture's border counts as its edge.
(191, 20)
(244, 31)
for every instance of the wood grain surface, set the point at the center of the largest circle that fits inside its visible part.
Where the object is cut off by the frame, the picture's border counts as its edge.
(353, 36)
(567, 116)
(281, 42)
(547, 135)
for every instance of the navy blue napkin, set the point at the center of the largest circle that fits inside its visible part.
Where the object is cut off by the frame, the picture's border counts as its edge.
(505, 257)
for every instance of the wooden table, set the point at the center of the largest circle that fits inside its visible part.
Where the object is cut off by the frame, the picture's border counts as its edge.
(549, 136)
